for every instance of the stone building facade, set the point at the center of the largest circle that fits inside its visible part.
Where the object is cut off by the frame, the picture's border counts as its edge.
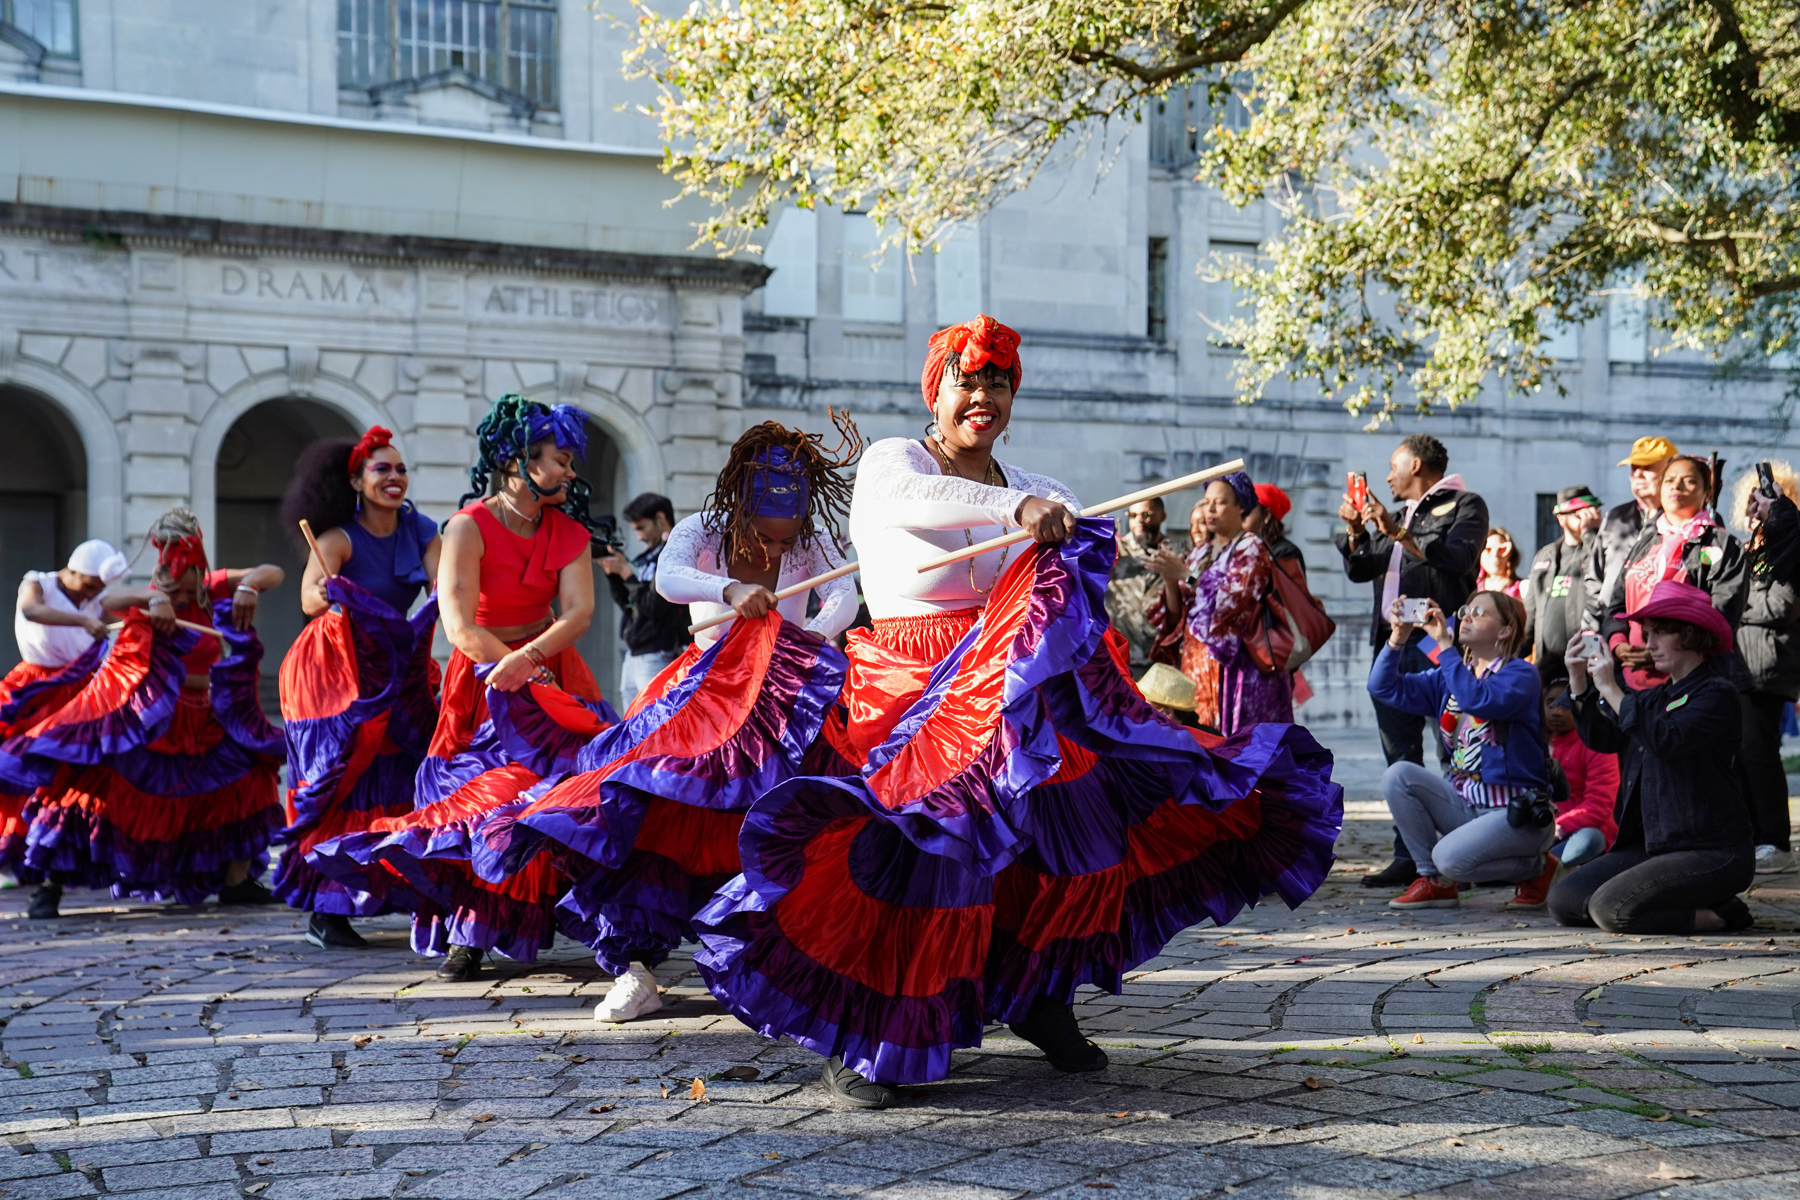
(230, 226)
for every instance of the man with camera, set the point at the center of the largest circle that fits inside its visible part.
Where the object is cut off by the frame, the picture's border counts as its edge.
(1557, 595)
(653, 630)
(1429, 548)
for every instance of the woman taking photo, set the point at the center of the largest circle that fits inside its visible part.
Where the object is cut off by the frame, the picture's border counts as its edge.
(1011, 819)
(520, 542)
(1684, 849)
(1232, 573)
(165, 771)
(358, 697)
(1488, 707)
(1686, 543)
(1500, 563)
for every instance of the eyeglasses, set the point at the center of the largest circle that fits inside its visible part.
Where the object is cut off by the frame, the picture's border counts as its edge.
(1470, 610)
(381, 468)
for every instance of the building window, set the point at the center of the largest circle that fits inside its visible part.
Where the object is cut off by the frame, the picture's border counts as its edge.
(508, 43)
(1156, 280)
(50, 22)
(871, 273)
(1174, 128)
(793, 256)
(1224, 301)
(959, 276)
(1547, 529)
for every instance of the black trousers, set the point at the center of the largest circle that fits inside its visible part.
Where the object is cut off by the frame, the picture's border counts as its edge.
(1761, 756)
(1631, 890)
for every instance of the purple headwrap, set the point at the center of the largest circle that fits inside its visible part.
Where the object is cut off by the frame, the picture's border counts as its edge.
(777, 486)
(1243, 489)
(564, 422)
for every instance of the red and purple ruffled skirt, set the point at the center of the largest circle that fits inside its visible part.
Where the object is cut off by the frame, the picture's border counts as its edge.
(1022, 823)
(490, 749)
(148, 787)
(359, 704)
(29, 694)
(654, 805)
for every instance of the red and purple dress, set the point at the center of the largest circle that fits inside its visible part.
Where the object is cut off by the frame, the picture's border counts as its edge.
(149, 786)
(488, 750)
(1011, 819)
(359, 704)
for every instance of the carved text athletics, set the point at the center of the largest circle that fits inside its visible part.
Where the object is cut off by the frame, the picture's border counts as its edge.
(603, 305)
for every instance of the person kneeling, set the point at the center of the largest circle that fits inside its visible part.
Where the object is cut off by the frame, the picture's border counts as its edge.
(1685, 847)
(1491, 819)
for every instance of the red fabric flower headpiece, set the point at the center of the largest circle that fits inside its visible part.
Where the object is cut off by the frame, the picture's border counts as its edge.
(181, 555)
(375, 439)
(978, 343)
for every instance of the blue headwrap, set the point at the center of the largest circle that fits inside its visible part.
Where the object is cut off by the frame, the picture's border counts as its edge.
(1243, 489)
(777, 486)
(564, 422)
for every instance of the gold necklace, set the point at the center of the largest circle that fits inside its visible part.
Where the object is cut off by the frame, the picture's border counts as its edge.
(993, 479)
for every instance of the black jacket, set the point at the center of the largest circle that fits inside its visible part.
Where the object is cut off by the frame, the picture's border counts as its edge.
(1679, 781)
(1714, 562)
(1769, 637)
(1558, 577)
(649, 623)
(1450, 529)
(1617, 533)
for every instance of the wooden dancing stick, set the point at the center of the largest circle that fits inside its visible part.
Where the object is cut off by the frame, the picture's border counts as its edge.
(184, 624)
(1097, 510)
(306, 529)
(797, 589)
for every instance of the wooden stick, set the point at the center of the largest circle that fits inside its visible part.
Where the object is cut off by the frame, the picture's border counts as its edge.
(1097, 510)
(312, 541)
(178, 621)
(803, 586)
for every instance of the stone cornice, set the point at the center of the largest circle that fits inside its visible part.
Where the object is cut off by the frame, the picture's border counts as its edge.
(186, 234)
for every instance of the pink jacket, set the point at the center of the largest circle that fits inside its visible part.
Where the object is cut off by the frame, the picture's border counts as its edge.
(1593, 787)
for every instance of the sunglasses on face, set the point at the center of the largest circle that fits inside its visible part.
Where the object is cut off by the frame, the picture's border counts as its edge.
(385, 469)
(1470, 610)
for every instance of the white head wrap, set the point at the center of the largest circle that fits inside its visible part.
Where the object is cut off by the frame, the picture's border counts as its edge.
(96, 557)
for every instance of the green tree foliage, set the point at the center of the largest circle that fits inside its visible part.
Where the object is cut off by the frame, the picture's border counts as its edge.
(1456, 174)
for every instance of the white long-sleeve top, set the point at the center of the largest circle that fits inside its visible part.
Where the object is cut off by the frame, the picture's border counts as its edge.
(905, 510)
(689, 572)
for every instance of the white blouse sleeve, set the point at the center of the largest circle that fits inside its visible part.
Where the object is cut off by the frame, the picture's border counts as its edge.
(899, 484)
(837, 599)
(679, 576)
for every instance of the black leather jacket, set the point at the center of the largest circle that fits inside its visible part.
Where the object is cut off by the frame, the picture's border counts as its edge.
(1450, 528)
(1769, 636)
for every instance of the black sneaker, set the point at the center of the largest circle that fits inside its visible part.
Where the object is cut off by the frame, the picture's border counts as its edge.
(1051, 1028)
(1735, 913)
(855, 1089)
(45, 905)
(462, 964)
(1397, 874)
(332, 931)
(247, 892)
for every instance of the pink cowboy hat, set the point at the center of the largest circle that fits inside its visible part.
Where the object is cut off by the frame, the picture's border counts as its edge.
(1673, 600)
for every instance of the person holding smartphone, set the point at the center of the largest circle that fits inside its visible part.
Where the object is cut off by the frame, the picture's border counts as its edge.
(1481, 820)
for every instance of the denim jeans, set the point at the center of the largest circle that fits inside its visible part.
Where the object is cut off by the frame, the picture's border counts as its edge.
(637, 671)
(1453, 840)
(1584, 845)
(1634, 891)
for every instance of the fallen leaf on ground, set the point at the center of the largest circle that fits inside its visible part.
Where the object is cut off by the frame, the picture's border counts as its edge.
(1453, 1141)
(772, 1154)
(698, 1091)
(1664, 1117)
(1350, 929)
(633, 1079)
(665, 1090)
(601, 1108)
(1696, 1112)
(361, 1040)
(1311, 1083)
(1126, 1113)
(1418, 1037)
(741, 1074)
(1665, 1171)
(484, 1118)
(578, 1059)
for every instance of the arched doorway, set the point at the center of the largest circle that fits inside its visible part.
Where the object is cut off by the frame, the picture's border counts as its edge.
(600, 644)
(43, 495)
(254, 467)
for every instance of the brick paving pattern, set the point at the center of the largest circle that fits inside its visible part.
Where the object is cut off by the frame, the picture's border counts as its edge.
(1343, 1050)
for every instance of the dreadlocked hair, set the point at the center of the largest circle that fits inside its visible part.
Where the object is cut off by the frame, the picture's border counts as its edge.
(172, 526)
(828, 492)
(503, 443)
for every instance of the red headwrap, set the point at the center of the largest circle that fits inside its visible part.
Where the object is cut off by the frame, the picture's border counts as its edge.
(978, 343)
(375, 439)
(181, 555)
(1275, 500)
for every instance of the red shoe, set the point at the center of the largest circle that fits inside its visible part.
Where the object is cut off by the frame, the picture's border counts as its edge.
(1427, 892)
(1534, 892)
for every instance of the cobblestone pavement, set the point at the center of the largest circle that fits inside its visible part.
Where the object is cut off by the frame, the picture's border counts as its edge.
(1343, 1050)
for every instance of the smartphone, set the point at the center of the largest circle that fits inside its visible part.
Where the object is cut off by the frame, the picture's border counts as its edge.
(1590, 644)
(1765, 481)
(1356, 486)
(1414, 612)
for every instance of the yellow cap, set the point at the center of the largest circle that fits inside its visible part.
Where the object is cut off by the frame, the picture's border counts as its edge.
(1164, 685)
(1648, 451)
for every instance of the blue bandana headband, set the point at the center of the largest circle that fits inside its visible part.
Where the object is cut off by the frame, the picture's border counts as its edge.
(1243, 489)
(777, 486)
(564, 422)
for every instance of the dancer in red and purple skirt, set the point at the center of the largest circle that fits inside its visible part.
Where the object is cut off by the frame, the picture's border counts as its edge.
(358, 687)
(1015, 820)
(60, 629)
(160, 776)
(517, 701)
(656, 803)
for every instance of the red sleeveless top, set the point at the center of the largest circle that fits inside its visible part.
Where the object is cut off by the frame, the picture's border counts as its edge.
(518, 574)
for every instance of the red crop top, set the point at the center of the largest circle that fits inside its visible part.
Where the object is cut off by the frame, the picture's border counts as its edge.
(519, 575)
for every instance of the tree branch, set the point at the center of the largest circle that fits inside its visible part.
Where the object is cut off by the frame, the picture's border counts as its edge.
(1229, 50)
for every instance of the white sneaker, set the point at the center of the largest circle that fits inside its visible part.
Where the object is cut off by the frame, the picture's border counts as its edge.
(1773, 861)
(632, 994)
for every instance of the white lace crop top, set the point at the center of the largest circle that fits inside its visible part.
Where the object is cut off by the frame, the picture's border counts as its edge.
(688, 572)
(905, 510)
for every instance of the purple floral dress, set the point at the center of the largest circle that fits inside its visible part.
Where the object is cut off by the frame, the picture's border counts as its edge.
(1231, 695)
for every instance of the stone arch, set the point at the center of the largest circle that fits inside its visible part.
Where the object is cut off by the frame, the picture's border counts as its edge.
(99, 440)
(356, 405)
